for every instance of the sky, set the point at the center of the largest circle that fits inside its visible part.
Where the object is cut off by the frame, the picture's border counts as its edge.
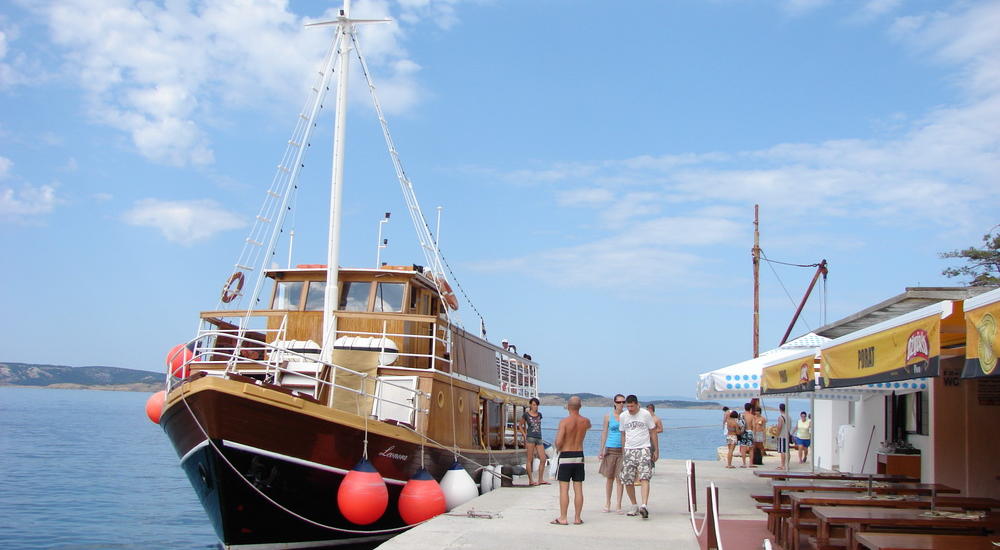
(597, 165)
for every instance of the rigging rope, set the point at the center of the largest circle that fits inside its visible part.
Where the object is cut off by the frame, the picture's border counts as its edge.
(780, 282)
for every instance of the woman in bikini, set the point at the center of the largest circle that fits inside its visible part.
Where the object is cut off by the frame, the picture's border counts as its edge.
(732, 436)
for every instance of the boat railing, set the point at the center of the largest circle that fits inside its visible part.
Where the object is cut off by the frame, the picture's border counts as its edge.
(337, 386)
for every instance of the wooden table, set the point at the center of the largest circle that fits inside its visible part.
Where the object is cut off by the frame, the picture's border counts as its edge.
(782, 474)
(882, 487)
(858, 519)
(907, 541)
(811, 498)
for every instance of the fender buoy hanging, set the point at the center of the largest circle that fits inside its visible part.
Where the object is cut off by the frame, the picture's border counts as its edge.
(233, 287)
(154, 406)
(458, 486)
(177, 359)
(362, 497)
(421, 499)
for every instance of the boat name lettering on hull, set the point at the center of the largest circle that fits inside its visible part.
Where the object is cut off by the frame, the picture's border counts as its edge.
(395, 456)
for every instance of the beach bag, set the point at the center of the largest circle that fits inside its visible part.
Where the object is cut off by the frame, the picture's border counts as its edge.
(741, 426)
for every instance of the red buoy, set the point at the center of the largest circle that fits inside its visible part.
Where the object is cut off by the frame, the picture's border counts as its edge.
(177, 359)
(421, 499)
(363, 496)
(154, 406)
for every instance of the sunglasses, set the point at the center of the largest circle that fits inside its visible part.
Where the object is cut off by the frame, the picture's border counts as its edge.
(619, 402)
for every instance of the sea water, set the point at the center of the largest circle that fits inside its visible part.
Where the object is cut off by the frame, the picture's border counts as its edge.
(86, 470)
(687, 433)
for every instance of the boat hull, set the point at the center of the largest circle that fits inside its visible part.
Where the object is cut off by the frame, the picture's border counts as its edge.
(267, 466)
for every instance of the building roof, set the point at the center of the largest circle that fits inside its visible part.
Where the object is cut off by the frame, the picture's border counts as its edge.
(913, 299)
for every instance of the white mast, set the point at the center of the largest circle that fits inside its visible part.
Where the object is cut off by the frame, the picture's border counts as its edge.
(345, 34)
(331, 296)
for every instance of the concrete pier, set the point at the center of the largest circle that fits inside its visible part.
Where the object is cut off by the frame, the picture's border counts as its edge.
(521, 514)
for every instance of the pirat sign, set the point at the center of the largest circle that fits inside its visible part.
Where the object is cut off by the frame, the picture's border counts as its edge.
(982, 345)
(903, 352)
(791, 376)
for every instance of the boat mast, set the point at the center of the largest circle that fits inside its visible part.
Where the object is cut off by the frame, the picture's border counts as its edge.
(331, 297)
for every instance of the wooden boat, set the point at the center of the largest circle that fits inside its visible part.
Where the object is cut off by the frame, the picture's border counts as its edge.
(272, 403)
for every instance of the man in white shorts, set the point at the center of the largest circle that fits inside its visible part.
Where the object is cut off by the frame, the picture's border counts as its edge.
(640, 450)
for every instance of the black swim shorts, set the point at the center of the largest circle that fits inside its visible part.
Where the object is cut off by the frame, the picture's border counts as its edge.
(571, 466)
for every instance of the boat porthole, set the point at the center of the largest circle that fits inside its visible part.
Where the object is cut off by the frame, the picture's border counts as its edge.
(440, 399)
(461, 404)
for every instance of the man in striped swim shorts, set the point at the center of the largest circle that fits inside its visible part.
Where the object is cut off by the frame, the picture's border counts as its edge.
(569, 443)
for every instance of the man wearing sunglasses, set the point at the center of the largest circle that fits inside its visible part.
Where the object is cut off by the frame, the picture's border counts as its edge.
(640, 451)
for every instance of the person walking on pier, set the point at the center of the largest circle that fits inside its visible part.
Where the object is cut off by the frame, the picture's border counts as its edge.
(746, 436)
(611, 453)
(531, 426)
(803, 436)
(640, 451)
(782, 436)
(569, 443)
(732, 437)
(658, 429)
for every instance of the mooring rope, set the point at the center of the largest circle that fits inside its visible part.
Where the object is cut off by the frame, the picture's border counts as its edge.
(276, 503)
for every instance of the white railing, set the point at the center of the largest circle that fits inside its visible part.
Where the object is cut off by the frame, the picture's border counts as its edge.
(273, 361)
(711, 515)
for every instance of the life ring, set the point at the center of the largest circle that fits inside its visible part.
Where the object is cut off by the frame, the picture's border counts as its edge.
(233, 287)
(447, 294)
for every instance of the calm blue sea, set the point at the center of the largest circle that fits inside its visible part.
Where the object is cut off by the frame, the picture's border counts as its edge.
(687, 433)
(86, 470)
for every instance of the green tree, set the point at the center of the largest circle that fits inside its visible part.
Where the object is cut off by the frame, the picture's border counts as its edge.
(982, 264)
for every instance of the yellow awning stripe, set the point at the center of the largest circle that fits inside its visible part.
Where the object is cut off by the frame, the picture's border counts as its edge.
(902, 348)
(791, 376)
(982, 326)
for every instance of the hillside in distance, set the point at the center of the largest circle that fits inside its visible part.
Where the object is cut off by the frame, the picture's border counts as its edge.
(97, 378)
(594, 400)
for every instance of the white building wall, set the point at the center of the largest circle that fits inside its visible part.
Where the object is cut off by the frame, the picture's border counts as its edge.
(857, 456)
(827, 419)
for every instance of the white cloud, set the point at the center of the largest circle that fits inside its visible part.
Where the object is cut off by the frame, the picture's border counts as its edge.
(5, 164)
(158, 72)
(183, 222)
(27, 201)
(941, 164)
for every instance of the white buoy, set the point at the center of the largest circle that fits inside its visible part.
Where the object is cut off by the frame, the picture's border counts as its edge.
(458, 486)
(486, 481)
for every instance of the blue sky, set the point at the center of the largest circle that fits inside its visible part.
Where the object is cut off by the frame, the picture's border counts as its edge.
(597, 164)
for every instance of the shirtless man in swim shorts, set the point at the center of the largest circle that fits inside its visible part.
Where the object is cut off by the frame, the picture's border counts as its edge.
(569, 443)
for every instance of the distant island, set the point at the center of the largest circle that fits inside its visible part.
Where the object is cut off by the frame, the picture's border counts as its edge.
(594, 400)
(87, 378)
(119, 379)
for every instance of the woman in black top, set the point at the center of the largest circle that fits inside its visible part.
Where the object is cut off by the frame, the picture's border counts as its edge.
(531, 427)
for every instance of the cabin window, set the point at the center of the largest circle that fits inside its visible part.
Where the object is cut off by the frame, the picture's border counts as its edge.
(354, 296)
(389, 297)
(288, 295)
(315, 296)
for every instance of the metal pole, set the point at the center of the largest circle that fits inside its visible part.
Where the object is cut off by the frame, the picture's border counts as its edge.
(331, 297)
(756, 280)
(812, 436)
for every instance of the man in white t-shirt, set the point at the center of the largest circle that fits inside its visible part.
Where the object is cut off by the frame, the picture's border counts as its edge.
(640, 450)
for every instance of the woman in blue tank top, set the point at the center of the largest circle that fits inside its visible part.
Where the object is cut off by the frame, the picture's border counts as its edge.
(611, 453)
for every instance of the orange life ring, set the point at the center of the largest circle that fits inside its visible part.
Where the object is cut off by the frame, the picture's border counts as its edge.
(447, 294)
(233, 287)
